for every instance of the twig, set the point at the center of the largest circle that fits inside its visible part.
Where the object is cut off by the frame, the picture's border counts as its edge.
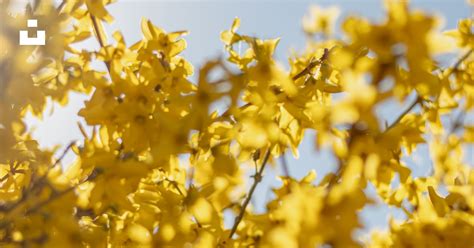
(57, 195)
(284, 165)
(61, 6)
(63, 155)
(333, 180)
(49, 200)
(339, 172)
(98, 34)
(36, 184)
(175, 185)
(417, 100)
(458, 63)
(5, 177)
(407, 110)
(59, 160)
(101, 39)
(12, 172)
(257, 179)
(313, 63)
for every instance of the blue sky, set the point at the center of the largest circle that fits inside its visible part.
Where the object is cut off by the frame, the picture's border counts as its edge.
(266, 19)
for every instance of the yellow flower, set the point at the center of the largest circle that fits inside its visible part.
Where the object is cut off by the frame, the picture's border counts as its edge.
(321, 20)
(464, 34)
(164, 160)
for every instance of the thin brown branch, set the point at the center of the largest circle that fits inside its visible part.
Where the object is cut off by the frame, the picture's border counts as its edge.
(5, 177)
(284, 165)
(57, 195)
(37, 184)
(337, 176)
(175, 185)
(57, 162)
(257, 179)
(313, 63)
(63, 155)
(100, 38)
(99, 35)
(61, 6)
(12, 172)
(400, 117)
(49, 200)
(458, 63)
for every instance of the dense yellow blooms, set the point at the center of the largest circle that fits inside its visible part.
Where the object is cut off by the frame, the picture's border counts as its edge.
(164, 167)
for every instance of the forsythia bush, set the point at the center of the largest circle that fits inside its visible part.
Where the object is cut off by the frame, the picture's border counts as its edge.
(168, 158)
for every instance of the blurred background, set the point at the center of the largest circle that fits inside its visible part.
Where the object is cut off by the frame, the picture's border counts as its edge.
(265, 19)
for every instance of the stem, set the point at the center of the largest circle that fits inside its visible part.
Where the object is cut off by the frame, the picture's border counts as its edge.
(61, 6)
(313, 63)
(100, 38)
(412, 105)
(37, 184)
(284, 165)
(458, 63)
(98, 34)
(57, 162)
(63, 155)
(257, 179)
(56, 196)
(339, 172)
(49, 200)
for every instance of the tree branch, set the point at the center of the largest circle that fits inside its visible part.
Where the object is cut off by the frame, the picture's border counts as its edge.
(284, 165)
(37, 184)
(257, 179)
(407, 110)
(61, 6)
(339, 172)
(458, 63)
(313, 63)
(100, 38)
